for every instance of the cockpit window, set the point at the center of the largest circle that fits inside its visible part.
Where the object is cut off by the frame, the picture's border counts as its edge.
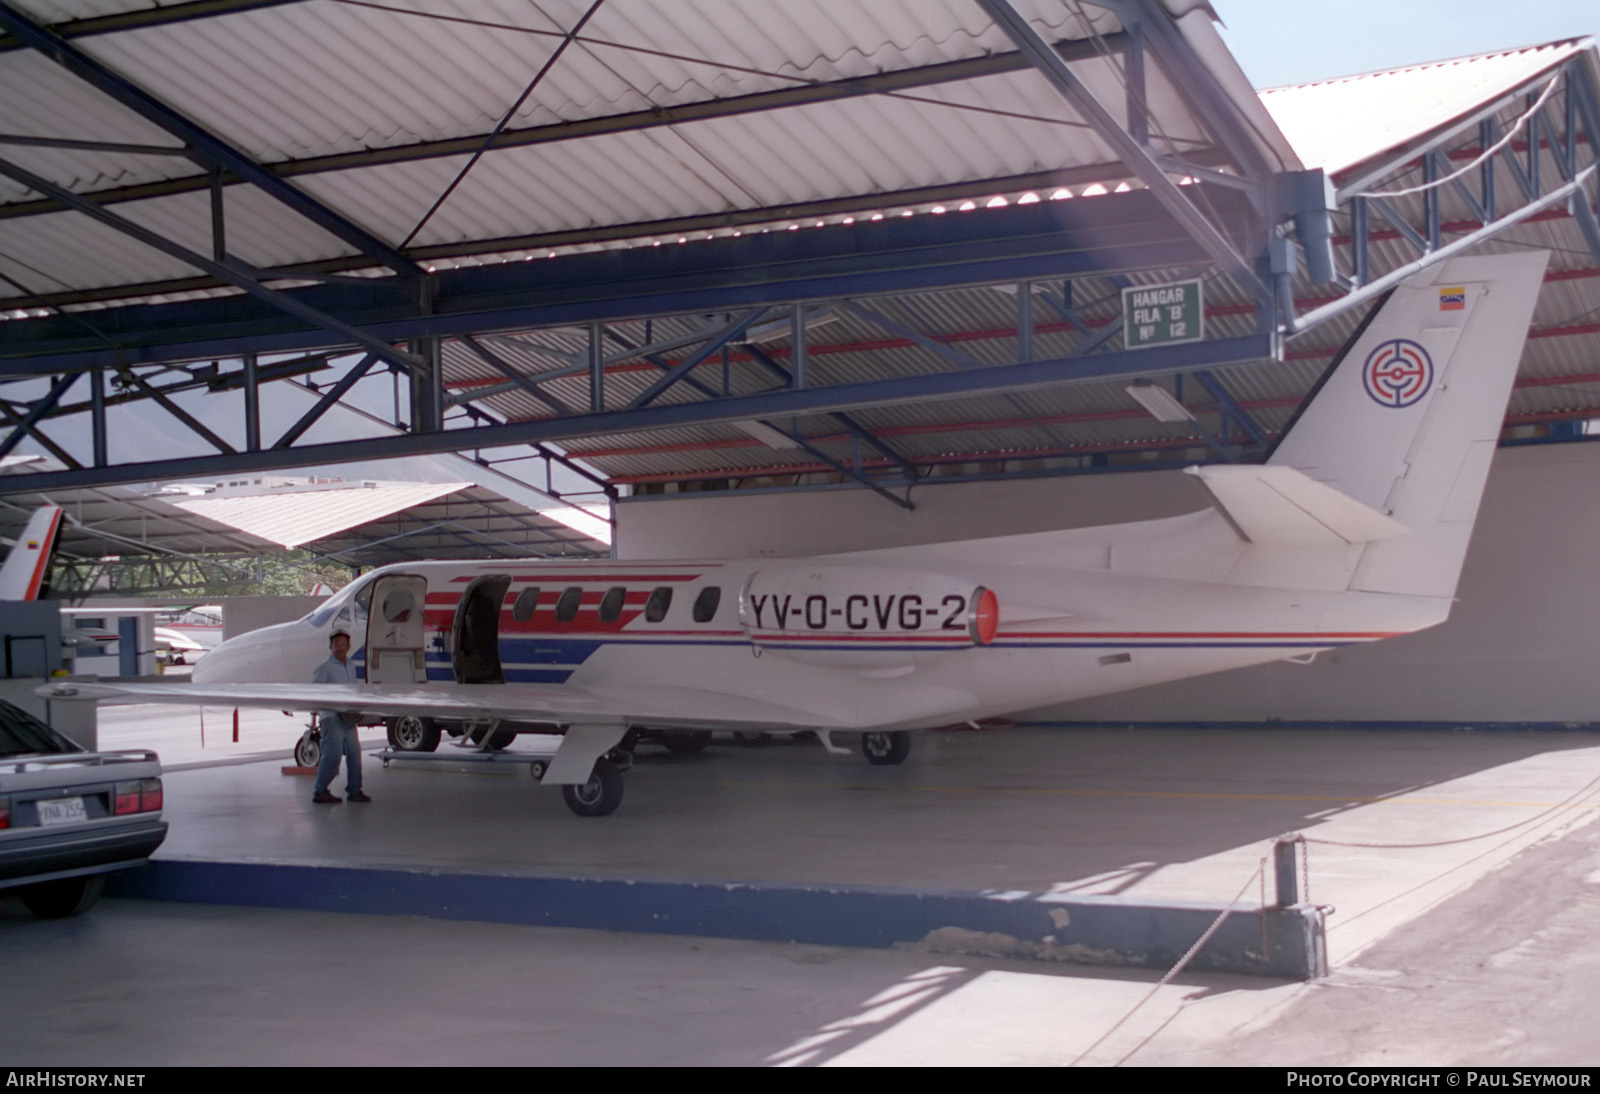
(360, 589)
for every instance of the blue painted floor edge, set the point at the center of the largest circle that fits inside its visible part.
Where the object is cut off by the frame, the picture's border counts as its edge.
(1278, 942)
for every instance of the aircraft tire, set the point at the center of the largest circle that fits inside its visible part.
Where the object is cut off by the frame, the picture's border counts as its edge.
(686, 742)
(66, 897)
(413, 733)
(884, 749)
(600, 796)
(307, 750)
(752, 739)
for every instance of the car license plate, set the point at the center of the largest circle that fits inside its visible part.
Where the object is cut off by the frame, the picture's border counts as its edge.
(62, 811)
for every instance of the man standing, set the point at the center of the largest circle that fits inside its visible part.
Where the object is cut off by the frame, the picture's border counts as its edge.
(338, 732)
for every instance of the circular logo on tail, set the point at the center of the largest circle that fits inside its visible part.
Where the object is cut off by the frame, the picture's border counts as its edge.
(1397, 373)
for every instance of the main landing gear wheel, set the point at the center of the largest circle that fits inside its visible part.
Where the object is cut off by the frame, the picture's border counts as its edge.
(308, 749)
(600, 796)
(410, 733)
(886, 748)
(687, 742)
(499, 740)
(751, 739)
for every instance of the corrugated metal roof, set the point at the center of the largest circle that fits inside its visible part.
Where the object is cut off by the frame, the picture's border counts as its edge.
(1335, 124)
(293, 516)
(316, 89)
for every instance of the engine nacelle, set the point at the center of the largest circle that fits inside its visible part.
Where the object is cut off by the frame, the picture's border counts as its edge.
(838, 611)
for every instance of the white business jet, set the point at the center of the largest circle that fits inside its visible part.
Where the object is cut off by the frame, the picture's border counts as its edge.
(1354, 530)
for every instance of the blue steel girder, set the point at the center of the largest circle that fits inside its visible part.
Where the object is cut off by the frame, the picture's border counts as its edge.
(1106, 235)
(25, 425)
(163, 15)
(715, 340)
(204, 147)
(1135, 156)
(764, 406)
(1231, 410)
(949, 353)
(847, 421)
(793, 435)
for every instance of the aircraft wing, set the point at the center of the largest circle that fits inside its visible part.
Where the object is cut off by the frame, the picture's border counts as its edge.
(653, 705)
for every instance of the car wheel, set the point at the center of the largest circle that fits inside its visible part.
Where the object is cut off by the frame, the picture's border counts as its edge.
(886, 748)
(60, 899)
(410, 733)
(308, 749)
(598, 797)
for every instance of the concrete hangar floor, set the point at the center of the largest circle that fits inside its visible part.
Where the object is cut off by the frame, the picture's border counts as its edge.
(1460, 950)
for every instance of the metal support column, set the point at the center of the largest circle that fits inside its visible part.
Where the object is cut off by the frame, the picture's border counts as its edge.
(252, 405)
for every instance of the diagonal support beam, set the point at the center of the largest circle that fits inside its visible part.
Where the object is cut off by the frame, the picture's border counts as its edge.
(179, 413)
(793, 435)
(1136, 157)
(205, 147)
(36, 412)
(515, 378)
(222, 271)
(330, 397)
(1230, 406)
(851, 426)
(689, 363)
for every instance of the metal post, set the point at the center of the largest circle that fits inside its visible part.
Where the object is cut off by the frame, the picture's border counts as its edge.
(1024, 321)
(1358, 238)
(597, 369)
(1486, 171)
(252, 405)
(219, 235)
(798, 350)
(1430, 173)
(1284, 860)
(97, 415)
(1133, 75)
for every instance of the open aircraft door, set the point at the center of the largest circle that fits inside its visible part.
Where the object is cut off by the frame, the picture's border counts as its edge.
(395, 630)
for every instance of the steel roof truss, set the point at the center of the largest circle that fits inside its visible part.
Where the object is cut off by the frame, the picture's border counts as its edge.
(851, 426)
(1135, 156)
(205, 147)
(329, 398)
(39, 409)
(227, 272)
(715, 342)
(528, 384)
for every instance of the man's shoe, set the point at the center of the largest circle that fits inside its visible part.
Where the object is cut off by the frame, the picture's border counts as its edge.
(322, 797)
(356, 796)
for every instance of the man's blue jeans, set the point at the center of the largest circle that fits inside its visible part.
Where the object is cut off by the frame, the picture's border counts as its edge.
(339, 738)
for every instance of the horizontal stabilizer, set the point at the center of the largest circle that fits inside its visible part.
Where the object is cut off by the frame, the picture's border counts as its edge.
(1281, 506)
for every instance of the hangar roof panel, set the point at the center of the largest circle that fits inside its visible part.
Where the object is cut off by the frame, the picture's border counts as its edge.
(375, 108)
(1336, 124)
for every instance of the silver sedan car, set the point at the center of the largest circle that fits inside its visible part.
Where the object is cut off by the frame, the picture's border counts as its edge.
(68, 817)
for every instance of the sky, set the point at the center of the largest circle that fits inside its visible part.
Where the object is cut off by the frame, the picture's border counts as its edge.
(1280, 42)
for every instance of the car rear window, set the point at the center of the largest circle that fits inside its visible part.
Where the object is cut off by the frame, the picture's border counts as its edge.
(22, 734)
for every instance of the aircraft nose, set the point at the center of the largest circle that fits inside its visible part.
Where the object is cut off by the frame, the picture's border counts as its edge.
(252, 658)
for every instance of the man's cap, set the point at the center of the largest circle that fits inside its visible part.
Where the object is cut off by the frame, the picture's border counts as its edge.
(337, 634)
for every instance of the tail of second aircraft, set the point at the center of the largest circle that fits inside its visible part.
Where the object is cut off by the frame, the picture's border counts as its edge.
(1394, 447)
(25, 573)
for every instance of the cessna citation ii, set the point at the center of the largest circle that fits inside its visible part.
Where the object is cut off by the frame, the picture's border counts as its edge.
(1354, 530)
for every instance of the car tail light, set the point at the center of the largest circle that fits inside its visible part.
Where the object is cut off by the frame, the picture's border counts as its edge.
(150, 796)
(126, 800)
(5, 812)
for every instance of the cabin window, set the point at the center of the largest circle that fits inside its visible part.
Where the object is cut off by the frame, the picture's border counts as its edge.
(527, 600)
(705, 605)
(611, 604)
(655, 609)
(567, 606)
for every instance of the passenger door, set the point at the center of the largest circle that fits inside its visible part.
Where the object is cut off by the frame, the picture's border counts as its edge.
(395, 631)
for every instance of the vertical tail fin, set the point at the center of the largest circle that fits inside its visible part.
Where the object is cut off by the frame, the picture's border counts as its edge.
(24, 573)
(1407, 420)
